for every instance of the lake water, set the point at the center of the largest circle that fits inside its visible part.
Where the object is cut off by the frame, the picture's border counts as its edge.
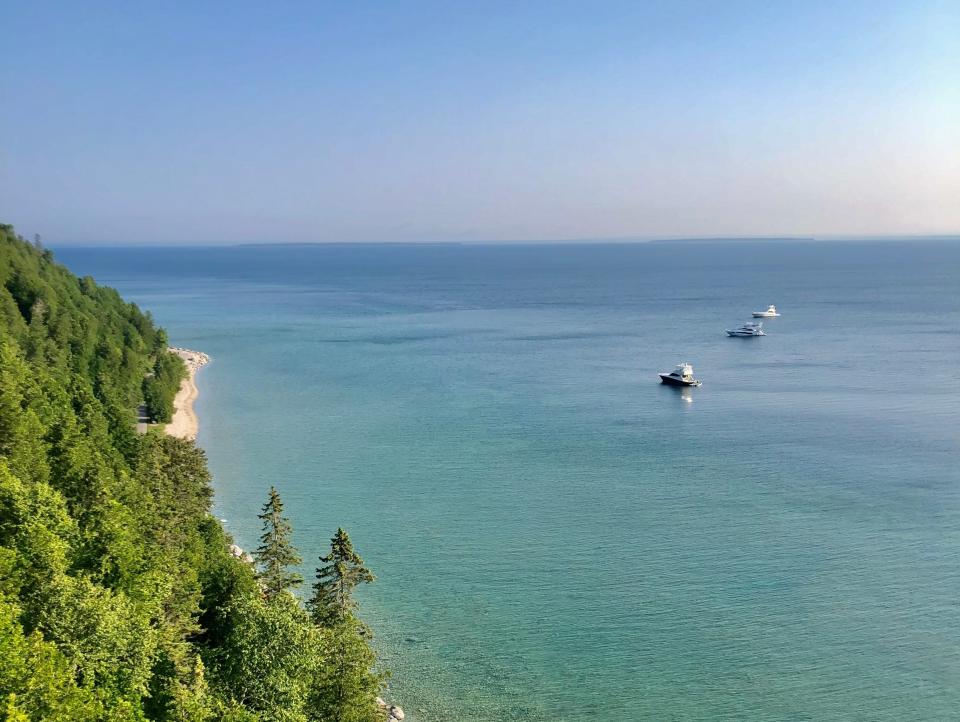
(557, 536)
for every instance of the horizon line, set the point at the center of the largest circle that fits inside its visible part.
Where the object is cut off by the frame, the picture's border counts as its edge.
(615, 240)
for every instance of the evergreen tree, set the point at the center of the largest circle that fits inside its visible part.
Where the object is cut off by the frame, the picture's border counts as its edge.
(119, 597)
(347, 686)
(276, 553)
(341, 571)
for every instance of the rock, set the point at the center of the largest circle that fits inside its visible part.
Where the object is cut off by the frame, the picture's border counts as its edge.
(396, 712)
(238, 553)
(380, 703)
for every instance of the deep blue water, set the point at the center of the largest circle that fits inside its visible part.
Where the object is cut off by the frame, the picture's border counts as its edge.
(557, 536)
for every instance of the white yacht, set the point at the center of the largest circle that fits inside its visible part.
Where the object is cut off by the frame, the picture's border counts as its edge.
(771, 312)
(750, 328)
(682, 375)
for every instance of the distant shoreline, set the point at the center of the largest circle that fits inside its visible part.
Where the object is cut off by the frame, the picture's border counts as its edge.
(185, 424)
(735, 239)
(61, 247)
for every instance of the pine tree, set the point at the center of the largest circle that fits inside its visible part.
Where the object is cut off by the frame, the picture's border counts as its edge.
(276, 553)
(341, 571)
(346, 688)
(119, 599)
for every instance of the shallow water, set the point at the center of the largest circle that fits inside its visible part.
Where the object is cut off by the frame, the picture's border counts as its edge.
(557, 536)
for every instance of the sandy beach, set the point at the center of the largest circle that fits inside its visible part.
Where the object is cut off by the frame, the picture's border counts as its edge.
(184, 423)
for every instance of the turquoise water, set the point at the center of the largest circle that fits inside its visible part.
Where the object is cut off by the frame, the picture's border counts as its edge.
(557, 536)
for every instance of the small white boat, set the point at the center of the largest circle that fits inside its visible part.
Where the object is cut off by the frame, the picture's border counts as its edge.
(771, 312)
(682, 375)
(750, 328)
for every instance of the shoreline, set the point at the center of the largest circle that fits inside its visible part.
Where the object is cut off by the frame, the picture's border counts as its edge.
(185, 424)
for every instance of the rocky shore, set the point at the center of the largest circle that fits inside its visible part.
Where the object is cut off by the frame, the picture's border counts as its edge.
(394, 713)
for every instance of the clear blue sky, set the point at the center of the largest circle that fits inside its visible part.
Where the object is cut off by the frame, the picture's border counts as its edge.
(405, 121)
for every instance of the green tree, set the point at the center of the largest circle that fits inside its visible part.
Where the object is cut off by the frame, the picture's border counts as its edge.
(21, 429)
(276, 552)
(161, 386)
(339, 574)
(108, 637)
(269, 657)
(346, 687)
(37, 681)
(119, 598)
(222, 580)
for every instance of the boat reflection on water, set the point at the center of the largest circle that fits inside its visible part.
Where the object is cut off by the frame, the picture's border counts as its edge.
(684, 393)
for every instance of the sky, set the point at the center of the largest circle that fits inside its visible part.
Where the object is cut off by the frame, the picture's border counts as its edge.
(237, 122)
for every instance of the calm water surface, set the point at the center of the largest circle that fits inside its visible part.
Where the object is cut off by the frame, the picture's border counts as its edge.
(557, 536)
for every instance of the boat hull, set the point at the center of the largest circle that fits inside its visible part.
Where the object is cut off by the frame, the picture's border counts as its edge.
(676, 381)
(740, 334)
(760, 314)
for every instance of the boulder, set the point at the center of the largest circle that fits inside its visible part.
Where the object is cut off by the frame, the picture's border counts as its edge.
(380, 703)
(396, 712)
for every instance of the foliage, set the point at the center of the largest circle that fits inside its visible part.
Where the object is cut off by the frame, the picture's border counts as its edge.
(161, 386)
(270, 656)
(119, 598)
(341, 571)
(37, 680)
(276, 554)
(345, 689)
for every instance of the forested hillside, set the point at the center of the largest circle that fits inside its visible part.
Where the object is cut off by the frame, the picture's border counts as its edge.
(119, 597)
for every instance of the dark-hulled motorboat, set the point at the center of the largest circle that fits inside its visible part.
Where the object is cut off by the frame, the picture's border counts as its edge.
(682, 375)
(750, 328)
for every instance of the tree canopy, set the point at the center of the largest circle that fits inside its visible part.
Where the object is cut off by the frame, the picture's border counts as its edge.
(119, 597)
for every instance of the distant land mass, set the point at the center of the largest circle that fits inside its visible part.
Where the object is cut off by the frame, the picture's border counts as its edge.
(737, 239)
(617, 241)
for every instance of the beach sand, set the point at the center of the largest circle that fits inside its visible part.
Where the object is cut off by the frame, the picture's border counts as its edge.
(184, 423)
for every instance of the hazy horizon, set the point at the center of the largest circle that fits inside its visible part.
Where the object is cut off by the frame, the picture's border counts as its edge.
(419, 122)
(876, 238)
